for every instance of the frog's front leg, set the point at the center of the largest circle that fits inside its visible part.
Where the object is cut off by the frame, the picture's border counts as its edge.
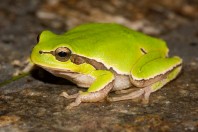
(97, 91)
(150, 74)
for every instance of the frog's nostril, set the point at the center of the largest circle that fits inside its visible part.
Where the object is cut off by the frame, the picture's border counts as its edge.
(40, 52)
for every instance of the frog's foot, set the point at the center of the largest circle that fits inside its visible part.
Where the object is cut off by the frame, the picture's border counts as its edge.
(144, 92)
(65, 94)
(88, 96)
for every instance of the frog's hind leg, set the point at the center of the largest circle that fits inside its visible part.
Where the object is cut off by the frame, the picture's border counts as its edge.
(147, 90)
(124, 91)
(124, 96)
(66, 95)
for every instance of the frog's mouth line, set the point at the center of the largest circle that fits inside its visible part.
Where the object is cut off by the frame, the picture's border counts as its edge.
(59, 73)
(55, 70)
(82, 80)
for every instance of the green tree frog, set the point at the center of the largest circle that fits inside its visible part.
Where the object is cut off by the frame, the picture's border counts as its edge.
(105, 57)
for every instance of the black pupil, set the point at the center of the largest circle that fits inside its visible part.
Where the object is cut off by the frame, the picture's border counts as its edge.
(62, 54)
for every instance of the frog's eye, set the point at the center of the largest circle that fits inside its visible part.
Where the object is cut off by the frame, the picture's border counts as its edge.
(62, 54)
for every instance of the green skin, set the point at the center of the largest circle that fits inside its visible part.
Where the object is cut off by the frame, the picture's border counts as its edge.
(123, 60)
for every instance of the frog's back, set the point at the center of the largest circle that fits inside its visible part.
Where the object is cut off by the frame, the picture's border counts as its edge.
(112, 44)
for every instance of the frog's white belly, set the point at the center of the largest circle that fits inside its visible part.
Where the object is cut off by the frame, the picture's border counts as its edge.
(83, 80)
(121, 82)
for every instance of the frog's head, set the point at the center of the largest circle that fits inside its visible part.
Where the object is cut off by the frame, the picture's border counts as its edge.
(51, 53)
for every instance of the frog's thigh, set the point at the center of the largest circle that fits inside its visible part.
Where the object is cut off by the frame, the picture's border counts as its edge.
(155, 83)
(98, 90)
(155, 70)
